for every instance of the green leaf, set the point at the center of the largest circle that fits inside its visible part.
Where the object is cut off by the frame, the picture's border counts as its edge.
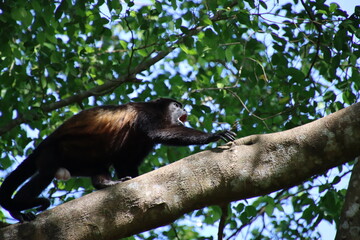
(205, 20)
(244, 18)
(219, 85)
(18, 13)
(50, 46)
(348, 97)
(263, 4)
(229, 54)
(340, 39)
(55, 57)
(116, 5)
(269, 209)
(308, 214)
(333, 7)
(173, 4)
(187, 50)
(184, 29)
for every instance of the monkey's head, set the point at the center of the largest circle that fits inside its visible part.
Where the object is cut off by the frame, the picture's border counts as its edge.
(174, 110)
(177, 113)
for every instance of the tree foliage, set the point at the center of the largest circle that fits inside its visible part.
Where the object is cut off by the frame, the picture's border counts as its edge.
(254, 66)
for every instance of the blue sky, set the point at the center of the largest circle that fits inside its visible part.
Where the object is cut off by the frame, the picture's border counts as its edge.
(347, 5)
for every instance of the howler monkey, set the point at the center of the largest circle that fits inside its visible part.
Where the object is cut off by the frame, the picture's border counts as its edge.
(90, 142)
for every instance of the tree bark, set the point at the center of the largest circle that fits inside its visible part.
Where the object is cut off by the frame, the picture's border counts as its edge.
(349, 227)
(248, 167)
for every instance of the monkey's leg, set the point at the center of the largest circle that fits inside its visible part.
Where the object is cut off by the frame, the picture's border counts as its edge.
(27, 196)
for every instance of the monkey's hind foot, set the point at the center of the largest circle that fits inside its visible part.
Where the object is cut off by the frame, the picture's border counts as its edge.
(23, 217)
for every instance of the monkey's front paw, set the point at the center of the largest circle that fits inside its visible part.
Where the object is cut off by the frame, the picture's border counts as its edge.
(227, 135)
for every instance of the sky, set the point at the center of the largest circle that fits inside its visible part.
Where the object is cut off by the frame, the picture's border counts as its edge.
(347, 5)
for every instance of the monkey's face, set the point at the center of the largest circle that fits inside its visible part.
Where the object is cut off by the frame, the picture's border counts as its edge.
(177, 114)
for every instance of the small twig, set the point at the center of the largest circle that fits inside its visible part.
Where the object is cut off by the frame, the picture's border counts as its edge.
(222, 223)
(132, 41)
(174, 229)
(262, 67)
(243, 104)
(319, 29)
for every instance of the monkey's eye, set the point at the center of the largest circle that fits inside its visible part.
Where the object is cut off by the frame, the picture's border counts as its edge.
(177, 105)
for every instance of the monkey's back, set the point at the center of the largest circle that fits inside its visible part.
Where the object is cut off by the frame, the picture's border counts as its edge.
(97, 138)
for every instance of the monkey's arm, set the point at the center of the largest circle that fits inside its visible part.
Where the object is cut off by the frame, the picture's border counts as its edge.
(183, 136)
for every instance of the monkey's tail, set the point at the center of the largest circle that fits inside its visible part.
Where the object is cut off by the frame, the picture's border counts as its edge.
(24, 171)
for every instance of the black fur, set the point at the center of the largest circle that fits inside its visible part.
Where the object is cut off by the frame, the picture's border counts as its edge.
(90, 142)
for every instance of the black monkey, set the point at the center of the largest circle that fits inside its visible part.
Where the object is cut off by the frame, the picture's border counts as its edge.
(90, 142)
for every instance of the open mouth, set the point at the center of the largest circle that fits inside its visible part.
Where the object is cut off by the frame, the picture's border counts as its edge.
(182, 119)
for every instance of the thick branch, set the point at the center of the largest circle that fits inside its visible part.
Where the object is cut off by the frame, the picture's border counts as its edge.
(251, 166)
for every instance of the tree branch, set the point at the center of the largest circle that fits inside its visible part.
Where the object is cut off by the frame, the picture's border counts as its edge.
(248, 167)
(349, 227)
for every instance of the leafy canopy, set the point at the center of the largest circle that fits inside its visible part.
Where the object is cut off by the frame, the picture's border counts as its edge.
(255, 66)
